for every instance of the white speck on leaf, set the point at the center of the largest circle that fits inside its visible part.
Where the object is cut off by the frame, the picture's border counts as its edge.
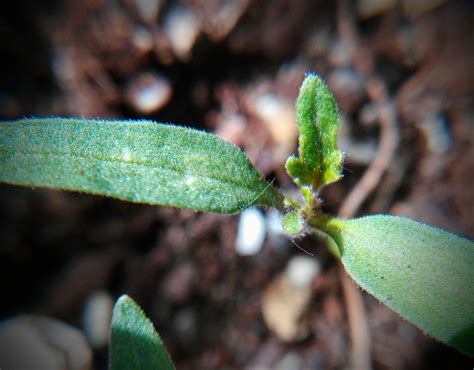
(126, 155)
(190, 181)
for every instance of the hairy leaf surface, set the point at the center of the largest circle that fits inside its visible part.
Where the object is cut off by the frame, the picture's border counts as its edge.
(137, 161)
(291, 223)
(319, 161)
(422, 272)
(135, 344)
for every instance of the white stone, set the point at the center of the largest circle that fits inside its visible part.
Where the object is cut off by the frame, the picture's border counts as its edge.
(436, 131)
(96, 318)
(148, 9)
(278, 115)
(148, 93)
(301, 270)
(36, 342)
(250, 232)
(142, 39)
(274, 226)
(182, 28)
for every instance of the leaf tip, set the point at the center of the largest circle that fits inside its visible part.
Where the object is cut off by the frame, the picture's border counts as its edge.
(319, 161)
(124, 300)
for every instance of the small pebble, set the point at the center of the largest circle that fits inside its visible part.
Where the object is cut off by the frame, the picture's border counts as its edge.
(250, 232)
(436, 131)
(278, 115)
(185, 325)
(232, 127)
(63, 66)
(302, 270)
(368, 114)
(182, 28)
(148, 9)
(142, 39)
(36, 342)
(282, 308)
(148, 93)
(96, 318)
(287, 297)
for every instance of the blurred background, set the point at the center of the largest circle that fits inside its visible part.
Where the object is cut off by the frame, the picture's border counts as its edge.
(233, 292)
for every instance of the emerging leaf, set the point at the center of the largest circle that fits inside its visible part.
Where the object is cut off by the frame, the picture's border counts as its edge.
(135, 344)
(423, 273)
(137, 161)
(291, 223)
(319, 161)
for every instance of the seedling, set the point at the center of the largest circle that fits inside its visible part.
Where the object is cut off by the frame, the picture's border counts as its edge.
(422, 272)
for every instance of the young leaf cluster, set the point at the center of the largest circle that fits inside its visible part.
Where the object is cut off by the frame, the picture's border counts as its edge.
(423, 273)
(319, 163)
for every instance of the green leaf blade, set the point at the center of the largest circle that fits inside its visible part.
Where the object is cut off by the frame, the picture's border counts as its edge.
(135, 344)
(423, 273)
(137, 161)
(319, 160)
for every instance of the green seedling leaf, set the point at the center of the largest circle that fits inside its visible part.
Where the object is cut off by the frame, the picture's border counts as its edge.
(137, 161)
(319, 161)
(134, 343)
(423, 273)
(291, 223)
